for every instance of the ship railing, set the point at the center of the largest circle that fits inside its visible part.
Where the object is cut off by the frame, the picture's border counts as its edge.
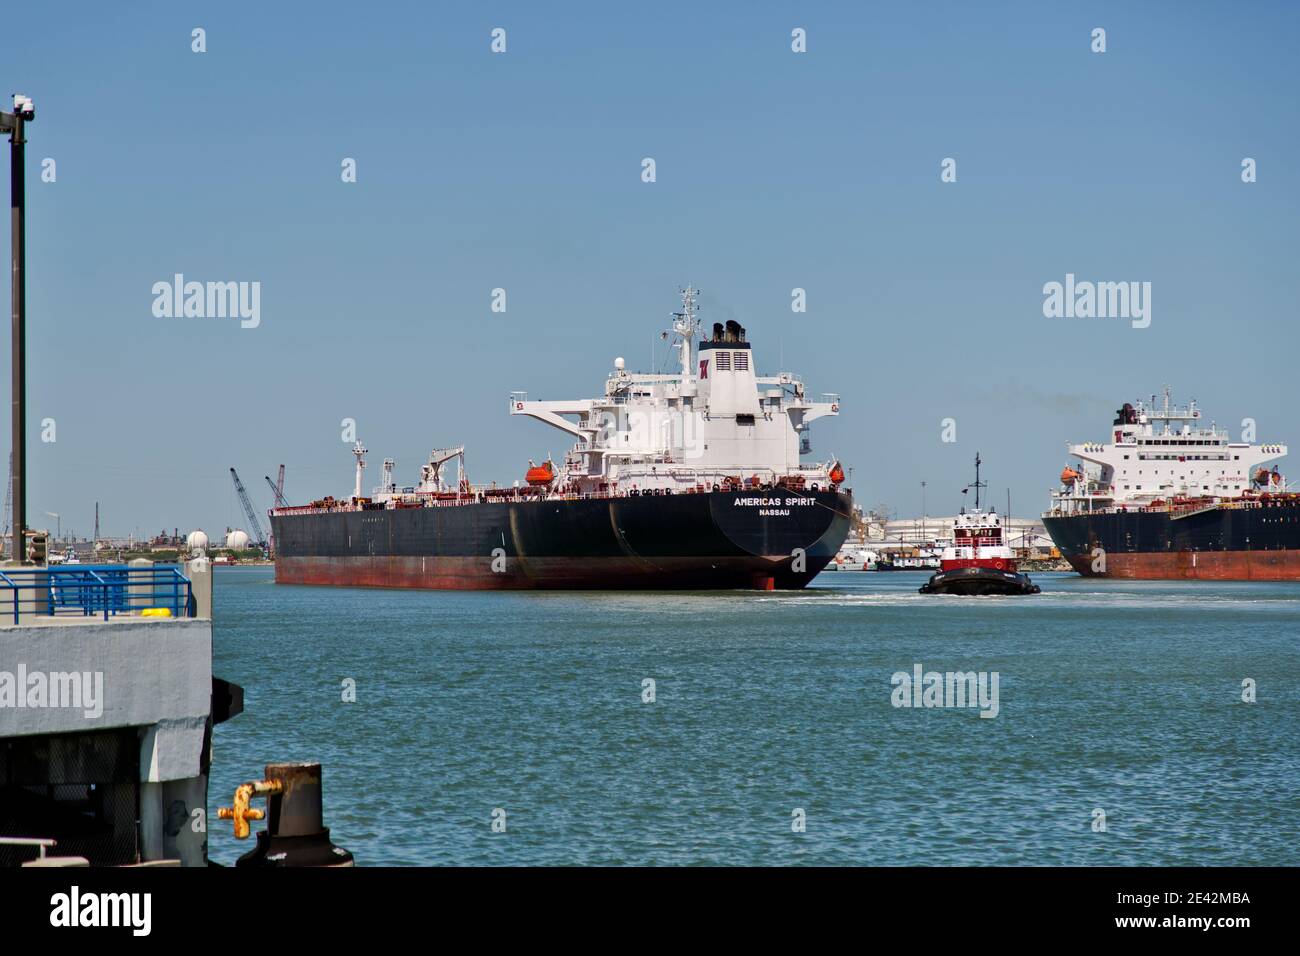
(1181, 510)
(526, 494)
(41, 843)
(93, 590)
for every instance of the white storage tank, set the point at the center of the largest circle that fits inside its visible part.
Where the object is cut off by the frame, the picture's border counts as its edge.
(237, 540)
(196, 540)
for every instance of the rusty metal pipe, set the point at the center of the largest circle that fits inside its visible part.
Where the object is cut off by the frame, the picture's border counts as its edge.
(241, 812)
(295, 833)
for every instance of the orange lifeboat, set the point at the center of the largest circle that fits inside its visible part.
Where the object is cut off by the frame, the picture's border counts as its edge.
(837, 474)
(539, 475)
(1068, 475)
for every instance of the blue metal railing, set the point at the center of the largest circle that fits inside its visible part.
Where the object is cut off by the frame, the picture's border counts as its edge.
(92, 589)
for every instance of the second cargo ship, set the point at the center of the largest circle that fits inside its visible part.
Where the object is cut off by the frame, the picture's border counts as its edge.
(1169, 497)
(688, 479)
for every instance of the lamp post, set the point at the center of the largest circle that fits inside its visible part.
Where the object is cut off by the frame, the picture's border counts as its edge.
(13, 124)
(924, 522)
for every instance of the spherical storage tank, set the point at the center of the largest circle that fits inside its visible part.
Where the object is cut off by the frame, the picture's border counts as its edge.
(237, 540)
(196, 540)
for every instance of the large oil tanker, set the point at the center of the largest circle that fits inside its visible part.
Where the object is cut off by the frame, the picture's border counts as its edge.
(687, 479)
(1170, 497)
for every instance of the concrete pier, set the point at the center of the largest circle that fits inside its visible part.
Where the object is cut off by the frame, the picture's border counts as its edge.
(120, 709)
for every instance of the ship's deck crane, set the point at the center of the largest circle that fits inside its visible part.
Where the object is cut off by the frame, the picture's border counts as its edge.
(254, 526)
(431, 473)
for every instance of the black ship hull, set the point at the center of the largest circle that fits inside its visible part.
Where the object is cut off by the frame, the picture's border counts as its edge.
(974, 581)
(761, 539)
(1256, 541)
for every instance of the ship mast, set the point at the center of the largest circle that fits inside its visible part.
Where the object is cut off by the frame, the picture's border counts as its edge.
(685, 324)
(359, 450)
(978, 484)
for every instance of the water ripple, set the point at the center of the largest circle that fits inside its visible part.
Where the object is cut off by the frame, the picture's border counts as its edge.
(1123, 697)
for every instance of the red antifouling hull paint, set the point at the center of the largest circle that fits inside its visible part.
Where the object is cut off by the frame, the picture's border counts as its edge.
(1197, 565)
(1242, 541)
(476, 574)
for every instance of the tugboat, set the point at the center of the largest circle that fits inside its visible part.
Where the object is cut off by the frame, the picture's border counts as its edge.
(978, 561)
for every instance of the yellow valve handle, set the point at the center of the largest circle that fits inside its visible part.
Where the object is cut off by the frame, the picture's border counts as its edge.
(241, 812)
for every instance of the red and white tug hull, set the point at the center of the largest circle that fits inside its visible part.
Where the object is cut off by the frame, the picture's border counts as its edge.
(990, 572)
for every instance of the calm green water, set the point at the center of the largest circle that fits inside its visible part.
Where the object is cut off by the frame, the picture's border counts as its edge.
(1121, 696)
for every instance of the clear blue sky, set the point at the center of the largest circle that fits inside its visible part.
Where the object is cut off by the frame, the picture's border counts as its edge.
(522, 171)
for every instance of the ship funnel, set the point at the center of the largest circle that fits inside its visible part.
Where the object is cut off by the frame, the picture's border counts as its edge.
(734, 332)
(717, 331)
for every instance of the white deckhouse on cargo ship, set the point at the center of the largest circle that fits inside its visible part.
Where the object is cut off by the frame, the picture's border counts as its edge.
(713, 423)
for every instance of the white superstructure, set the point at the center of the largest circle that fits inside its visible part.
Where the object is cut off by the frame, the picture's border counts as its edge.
(977, 541)
(1162, 452)
(713, 422)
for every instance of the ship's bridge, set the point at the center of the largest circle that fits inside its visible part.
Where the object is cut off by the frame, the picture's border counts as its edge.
(1163, 452)
(712, 420)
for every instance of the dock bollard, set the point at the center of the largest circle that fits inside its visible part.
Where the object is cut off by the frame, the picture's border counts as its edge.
(295, 833)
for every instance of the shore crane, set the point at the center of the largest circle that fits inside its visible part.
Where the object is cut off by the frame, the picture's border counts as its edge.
(254, 526)
(277, 489)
